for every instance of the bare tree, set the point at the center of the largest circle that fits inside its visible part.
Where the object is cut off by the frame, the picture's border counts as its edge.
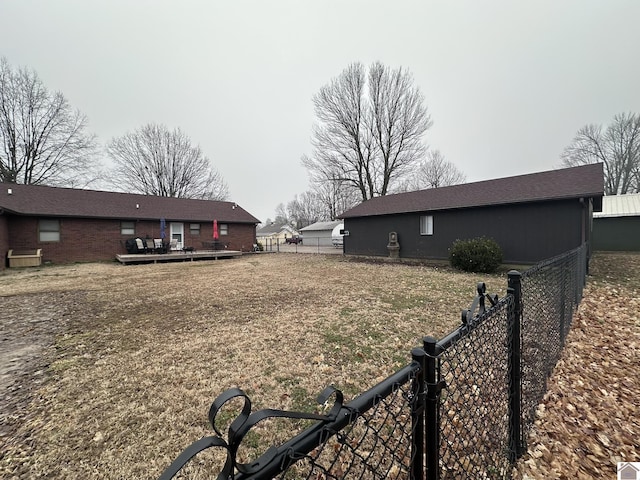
(436, 172)
(398, 120)
(323, 202)
(367, 136)
(617, 147)
(281, 214)
(42, 140)
(155, 161)
(335, 198)
(304, 210)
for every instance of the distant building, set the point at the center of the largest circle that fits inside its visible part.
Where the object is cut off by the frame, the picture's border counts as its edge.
(275, 234)
(318, 234)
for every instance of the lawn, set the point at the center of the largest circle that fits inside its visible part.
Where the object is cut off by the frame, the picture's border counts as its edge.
(114, 367)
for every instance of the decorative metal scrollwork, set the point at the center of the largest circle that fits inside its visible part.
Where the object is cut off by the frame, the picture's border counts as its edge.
(240, 426)
(478, 303)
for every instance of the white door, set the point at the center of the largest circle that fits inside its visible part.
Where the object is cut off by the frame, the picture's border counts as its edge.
(177, 233)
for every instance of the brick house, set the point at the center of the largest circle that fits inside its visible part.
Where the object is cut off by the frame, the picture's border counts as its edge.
(72, 225)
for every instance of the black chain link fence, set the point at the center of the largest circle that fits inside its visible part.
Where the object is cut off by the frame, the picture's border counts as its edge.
(474, 400)
(378, 435)
(460, 410)
(551, 292)
(375, 444)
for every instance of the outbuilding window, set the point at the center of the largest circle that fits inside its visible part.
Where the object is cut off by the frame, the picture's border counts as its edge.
(426, 225)
(49, 230)
(127, 228)
(224, 229)
(194, 228)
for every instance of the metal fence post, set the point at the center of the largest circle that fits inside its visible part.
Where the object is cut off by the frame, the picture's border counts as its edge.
(563, 304)
(417, 418)
(515, 391)
(584, 271)
(432, 423)
(580, 278)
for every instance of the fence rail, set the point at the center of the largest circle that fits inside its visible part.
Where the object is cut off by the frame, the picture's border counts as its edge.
(461, 409)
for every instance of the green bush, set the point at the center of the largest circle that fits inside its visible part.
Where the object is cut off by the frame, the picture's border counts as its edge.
(482, 255)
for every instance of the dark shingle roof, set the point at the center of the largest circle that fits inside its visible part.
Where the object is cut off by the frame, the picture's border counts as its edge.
(583, 181)
(68, 202)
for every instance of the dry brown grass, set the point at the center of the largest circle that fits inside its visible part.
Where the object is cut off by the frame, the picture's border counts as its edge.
(141, 351)
(108, 371)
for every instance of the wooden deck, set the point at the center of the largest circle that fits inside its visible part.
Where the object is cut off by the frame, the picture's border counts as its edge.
(177, 256)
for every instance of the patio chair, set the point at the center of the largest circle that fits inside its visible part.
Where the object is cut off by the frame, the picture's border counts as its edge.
(150, 245)
(159, 246)
(173, 245)
(142, 248)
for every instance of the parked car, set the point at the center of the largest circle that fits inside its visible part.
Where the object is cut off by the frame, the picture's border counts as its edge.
(295, 239)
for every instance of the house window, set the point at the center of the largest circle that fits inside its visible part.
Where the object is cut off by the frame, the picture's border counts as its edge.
(127, 228)
(194, 228)
(426, 225)
(49, 230)
(224, 229)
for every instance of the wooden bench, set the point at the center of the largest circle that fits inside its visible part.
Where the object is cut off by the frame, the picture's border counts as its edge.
(25, 258)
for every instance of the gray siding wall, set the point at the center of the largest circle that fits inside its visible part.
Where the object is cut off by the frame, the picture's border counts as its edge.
(314, 238)
(616, 234)
(526, 233)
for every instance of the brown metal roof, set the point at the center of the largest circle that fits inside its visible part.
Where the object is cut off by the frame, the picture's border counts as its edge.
(584, 181)
(69, 202)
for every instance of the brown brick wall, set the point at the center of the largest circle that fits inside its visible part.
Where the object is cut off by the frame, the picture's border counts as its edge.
(240, 236)
(245, 236)
(86, 240)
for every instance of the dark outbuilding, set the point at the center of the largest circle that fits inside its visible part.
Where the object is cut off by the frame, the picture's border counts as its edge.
(617, 226)
(532, 217)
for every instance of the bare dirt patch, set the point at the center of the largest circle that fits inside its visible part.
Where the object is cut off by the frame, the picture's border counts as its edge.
(29, 325)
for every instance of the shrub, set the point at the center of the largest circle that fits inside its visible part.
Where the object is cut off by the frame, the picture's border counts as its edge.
(482, 255)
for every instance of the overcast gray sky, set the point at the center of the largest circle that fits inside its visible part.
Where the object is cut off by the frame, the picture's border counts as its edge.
(507, 83)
